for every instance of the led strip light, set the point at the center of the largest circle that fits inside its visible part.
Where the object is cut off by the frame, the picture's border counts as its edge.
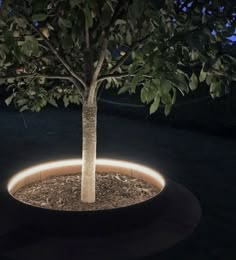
(77, 162)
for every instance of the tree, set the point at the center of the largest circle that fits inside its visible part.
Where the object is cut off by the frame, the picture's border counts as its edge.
(57, 49)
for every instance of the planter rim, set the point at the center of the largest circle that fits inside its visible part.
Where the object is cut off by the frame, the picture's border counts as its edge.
(124, 165)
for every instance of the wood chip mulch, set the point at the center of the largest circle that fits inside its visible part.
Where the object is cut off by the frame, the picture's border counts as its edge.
(63, 192)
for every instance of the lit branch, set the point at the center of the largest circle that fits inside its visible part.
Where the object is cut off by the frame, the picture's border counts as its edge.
(54, 51)
(92, 90)
(117, 76)
(124, 58)
(87, 36)
(219, 73)
(34, 76)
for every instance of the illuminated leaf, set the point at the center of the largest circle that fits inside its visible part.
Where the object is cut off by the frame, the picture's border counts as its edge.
(154, 106)
(39, 17)
(193, 82)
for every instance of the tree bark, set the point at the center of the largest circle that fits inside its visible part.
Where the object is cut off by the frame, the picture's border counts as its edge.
(89, 119)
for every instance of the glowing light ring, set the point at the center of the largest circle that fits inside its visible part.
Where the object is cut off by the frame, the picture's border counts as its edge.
(78, 162)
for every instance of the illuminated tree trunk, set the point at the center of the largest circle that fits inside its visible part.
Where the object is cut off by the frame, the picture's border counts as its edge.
(89, 152)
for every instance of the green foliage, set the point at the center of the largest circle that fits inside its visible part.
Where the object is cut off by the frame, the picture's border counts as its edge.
(30, 47)
(169, 49)
(35, 96)
(39, 17)
(155, 104)
(193, 82)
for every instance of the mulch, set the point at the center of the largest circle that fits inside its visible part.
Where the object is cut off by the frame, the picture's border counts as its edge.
(63, 192)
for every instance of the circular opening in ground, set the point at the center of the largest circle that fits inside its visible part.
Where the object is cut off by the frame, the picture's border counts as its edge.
(56, 185)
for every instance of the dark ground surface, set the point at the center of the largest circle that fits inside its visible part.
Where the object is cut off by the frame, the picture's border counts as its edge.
(203, 162)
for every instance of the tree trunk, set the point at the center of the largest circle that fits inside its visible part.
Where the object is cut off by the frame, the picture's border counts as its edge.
(89, 152)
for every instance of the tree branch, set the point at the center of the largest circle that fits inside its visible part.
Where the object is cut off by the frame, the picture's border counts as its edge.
(35, 76)
(87, 38)
(101, 59)
(24, 76)
(219, 73)
(53, 50)
(117, 75)
(115, 16)
(105, 35)
(124, 58)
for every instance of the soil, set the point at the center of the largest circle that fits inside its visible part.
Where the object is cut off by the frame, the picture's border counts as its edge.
(63, 192)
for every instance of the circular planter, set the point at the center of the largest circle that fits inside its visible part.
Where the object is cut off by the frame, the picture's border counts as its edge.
(97, 222)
